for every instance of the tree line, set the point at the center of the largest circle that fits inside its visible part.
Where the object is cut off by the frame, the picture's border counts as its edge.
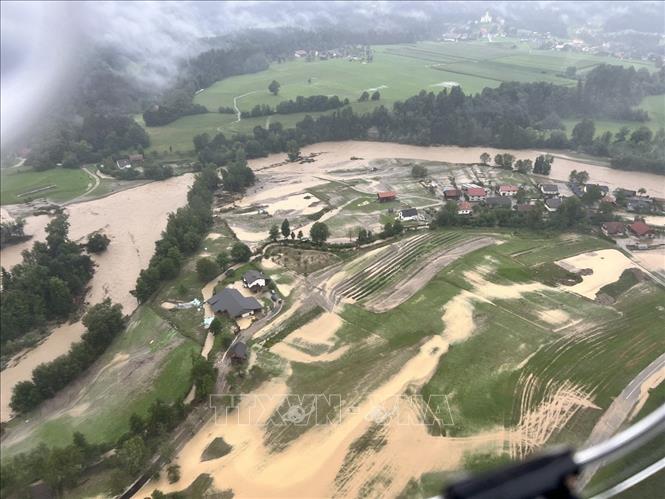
(103, 322)
(514, 115)
(184, 232)
(47, 285)
(12, 232)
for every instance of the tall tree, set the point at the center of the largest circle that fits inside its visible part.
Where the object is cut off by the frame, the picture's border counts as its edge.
(274, 87)
(286, 228)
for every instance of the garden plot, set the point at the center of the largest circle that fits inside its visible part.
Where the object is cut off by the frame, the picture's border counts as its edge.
(390, 264)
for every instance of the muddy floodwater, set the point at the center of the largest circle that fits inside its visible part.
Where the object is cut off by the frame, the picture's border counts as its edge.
(337, 152)
(133, 220)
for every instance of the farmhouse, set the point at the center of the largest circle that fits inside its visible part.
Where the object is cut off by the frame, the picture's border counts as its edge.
(464, 208)
(386, 196)
(549, 189)
(452, 194)
(499, 202)
(507, 190)
(476, 194)
(408, 214)
(577, 189)
(613, 228)
(230, 301)
(639, 204)
(524, 208)
(123, 164)
(625, 192)
(640, 229)
(254, 280)
(136, 158)
(552, 204)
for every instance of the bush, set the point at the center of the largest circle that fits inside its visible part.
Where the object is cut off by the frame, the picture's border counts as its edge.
(207, 269)
(97, 243)
(240, 252)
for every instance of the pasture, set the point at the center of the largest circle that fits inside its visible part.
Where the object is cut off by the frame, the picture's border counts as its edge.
(397, 71)
(16, 183)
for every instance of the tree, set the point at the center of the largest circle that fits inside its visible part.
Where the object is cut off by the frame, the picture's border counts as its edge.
(580, 178)
(274, 232)
(419, 171)
(274, 87)
(319, 232)
(63, 468)
(286, 228)
(583, 133)
(293, 235)
(207, 269)
(240, 252)
(364, 97)
(592, 194)
(543, 164)
(524, 165)
(641, 191)
(293, 150)
(398, 228)
(299, 234)
(485, 158)
(215, 326)
(504, 161)
(97, 243)
(222, 260)
(173, 473)
(376, 95)
(132, 454)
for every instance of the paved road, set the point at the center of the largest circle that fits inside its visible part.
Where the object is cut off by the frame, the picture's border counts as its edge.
(617, 413)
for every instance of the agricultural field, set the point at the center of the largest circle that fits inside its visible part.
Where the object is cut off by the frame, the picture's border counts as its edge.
(431, 66)
(62, 184)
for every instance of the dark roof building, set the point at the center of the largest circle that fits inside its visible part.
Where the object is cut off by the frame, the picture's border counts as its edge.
(613, 228)
(577, 189)
(239, 351)
(549, 189)
(408, 214)
(499, 202)
(253, 278)
(523, 208)
(232, 302)
(452, 194)
(553, 204)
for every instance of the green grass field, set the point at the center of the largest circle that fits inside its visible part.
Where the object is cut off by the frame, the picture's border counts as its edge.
(68, 183)
(398, 72)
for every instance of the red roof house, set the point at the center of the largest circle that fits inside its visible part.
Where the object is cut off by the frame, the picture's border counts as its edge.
(464, 208)
(507, 190)
(640, 229)
(386, 196)
(476, 193)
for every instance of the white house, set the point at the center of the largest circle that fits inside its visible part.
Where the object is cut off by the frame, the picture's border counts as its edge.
(464, 208)
(507, 190)
(408, 214)
(254, 280)
(476, 194)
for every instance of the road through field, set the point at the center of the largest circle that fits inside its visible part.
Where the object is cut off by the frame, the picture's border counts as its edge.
(620, 410)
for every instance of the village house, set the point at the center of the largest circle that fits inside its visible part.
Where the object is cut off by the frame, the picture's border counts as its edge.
(233, 303)
(464, 208)
(254, 280)
(452, 194)
(408, 214)
(499, 202)
(614, 229)
(476, 194)
(639, 229)
(524, 208)
(238, 352)
(123, 164)
(639, 204)
(507, 190)
(577, 189)
(549, 189)
(136, 158)
(386, 196)
(552, 204)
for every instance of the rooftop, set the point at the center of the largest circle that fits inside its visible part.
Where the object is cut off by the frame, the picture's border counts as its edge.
(231, 301)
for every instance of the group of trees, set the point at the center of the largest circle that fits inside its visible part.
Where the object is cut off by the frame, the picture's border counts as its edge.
(45, 286)
(184, 232)
(97, 242)
(12, 232)
(103, 322)
(96, 137)
(365, 96)
(60, 468)
(313, 103)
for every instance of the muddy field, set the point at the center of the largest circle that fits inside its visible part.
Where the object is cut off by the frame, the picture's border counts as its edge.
(133, 220)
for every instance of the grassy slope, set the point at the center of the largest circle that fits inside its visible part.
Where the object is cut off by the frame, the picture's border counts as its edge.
(69, 184)
(473, 65)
